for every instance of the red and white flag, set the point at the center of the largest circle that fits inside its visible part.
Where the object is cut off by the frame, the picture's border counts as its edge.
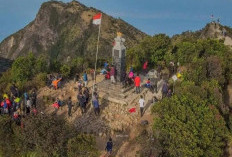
(97, 19)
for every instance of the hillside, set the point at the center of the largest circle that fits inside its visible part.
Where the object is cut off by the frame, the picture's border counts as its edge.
(65, 29)
(211, 30)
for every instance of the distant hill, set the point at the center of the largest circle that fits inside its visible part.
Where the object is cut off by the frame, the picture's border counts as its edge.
(211, 30)
(65, 29)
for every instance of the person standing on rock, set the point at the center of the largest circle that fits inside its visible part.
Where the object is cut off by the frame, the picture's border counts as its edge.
(145, 67)
(137, 82)
(92, 74)
(86, 95)
(69, 106)
(85, 78)
(81, 100)
(28, 106)
(141, 105)
(109, 147)
(96, 104)
(164, 90)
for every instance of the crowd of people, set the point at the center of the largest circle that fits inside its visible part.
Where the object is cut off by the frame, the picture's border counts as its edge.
(17, 105)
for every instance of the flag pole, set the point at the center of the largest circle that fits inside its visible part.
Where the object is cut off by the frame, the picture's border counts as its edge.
(95, 69)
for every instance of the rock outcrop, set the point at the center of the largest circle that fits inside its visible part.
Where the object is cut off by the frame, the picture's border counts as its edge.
(65, 29)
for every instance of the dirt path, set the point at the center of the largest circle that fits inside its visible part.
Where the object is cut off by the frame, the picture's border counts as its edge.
(114, 121)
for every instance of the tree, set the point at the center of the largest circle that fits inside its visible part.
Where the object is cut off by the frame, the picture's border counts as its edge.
(45, 134)
(82, 146)
(65, 70)
(187, 126)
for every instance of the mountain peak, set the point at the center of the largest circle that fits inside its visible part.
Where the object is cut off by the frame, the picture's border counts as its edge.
(65, 29)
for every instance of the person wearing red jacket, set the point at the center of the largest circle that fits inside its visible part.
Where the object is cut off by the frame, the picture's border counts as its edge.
(137, 82)
(145, 67)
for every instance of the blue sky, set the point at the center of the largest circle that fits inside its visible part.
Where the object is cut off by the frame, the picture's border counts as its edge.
(150, 16)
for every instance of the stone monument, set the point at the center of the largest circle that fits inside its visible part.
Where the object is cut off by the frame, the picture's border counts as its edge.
(119, 57)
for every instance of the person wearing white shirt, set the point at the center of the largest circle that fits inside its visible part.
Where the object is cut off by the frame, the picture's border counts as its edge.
(141, 105)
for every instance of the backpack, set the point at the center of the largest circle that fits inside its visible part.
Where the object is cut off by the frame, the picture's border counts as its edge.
(4, 105)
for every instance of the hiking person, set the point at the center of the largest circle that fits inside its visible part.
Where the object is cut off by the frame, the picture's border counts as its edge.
(59, 102)
(28, 106)
(131, 75)
(7, 105)
(137, 82)
(86, 95)
(112, 74)
(92, 74)
(96, 104)
(109, 147)
(16, 104)
(55, 83)
(82, 103)
(4, 106)
(107, 75)
(141, 105)
(171, 68)
(17, 118)
(106, 65)
(34, 111)
(145, 67)
(79, 86)
(69, 106)
(33, 98)
(85, 78)
(164, 90)
(76, 78)
(25, 95)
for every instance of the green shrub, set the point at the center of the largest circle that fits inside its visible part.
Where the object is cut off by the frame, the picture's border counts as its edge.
(82, 146)
(187, 126)
(65, 70)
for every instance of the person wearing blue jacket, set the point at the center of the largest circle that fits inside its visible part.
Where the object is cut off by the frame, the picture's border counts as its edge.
(96, 104)
(85, 78)
(109, 147)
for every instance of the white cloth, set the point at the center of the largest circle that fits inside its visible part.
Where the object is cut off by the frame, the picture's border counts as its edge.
(86, 82)
(141, 102)
(112, 79)
(28, 103)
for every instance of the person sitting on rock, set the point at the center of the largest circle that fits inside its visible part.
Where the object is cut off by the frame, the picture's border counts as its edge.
(107, 75)
(56, 106)
(148, 83)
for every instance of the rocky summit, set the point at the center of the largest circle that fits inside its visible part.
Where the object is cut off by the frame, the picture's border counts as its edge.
(61, 30)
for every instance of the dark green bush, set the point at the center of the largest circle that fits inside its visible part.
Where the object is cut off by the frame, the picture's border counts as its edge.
(187, 126)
